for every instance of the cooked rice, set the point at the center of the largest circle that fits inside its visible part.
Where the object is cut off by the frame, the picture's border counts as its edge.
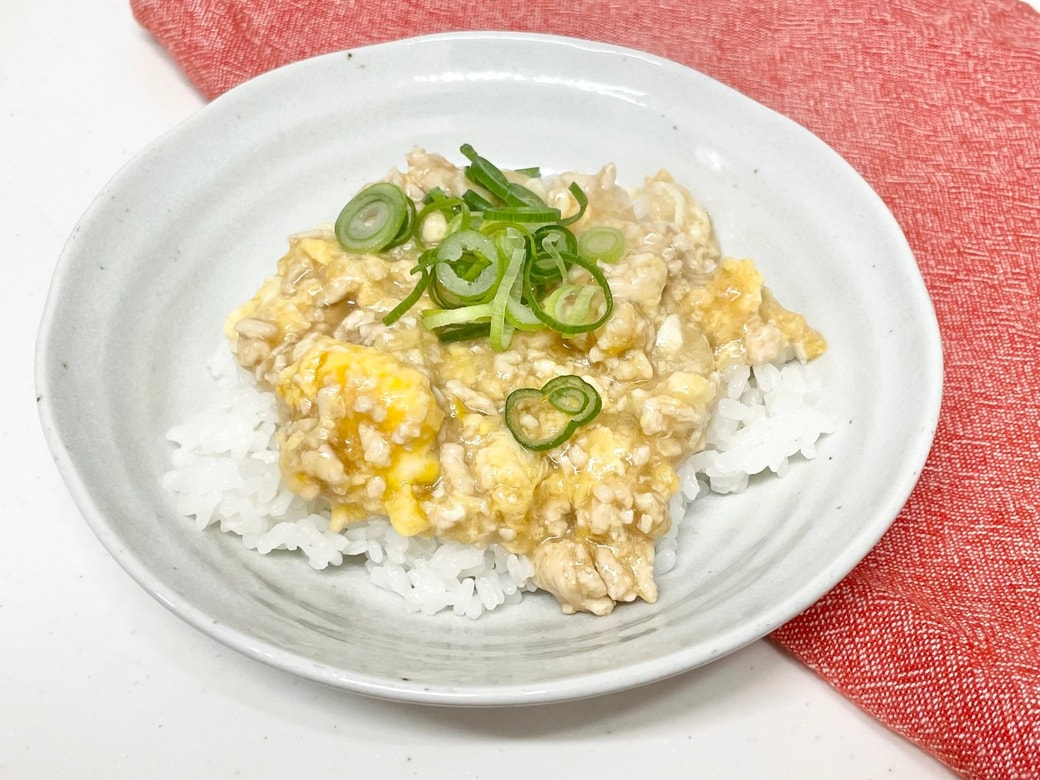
(225, 472)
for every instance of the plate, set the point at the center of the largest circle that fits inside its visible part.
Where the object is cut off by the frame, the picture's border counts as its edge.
(189, 228)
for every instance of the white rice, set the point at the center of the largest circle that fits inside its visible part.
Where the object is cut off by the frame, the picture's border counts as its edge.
(225, 472)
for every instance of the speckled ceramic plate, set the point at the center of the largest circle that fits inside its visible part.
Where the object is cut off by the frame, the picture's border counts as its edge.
(188, 229)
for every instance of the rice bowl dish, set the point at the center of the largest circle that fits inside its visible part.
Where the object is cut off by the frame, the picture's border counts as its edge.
(699, 378)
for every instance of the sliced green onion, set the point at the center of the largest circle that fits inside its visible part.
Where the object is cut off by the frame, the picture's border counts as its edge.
(506, 262)
(574, 396)
(557, 410)
(530, 173)
(583, 203)
(374, 218)
(448, 208)
(407, 226)
(571, 303)
(471, 330)
(508, 236)
(476, 201)
(602, 243)
(518, 314)
(501, 330)
(450, 291)
(555, 236)
(529, 214)
(569, 308)
(546, 269)
(410, 300)
(466, 270)
(529, 401)
(459, 222)
(467, 242)
(500, 334)
(519, 195)
(551, 249)
(432, 319)
(481, 171)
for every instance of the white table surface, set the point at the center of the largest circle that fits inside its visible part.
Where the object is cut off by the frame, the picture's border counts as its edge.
(97, 680)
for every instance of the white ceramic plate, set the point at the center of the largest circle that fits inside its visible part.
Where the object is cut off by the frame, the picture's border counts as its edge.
(189, 228)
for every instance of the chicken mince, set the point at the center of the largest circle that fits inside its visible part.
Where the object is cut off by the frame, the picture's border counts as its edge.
(378, 419)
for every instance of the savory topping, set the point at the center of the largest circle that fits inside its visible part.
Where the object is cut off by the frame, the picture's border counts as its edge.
(495, 264)
(350, 405)
(523, 361)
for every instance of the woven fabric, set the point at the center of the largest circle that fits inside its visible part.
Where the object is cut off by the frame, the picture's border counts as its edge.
(937, 103)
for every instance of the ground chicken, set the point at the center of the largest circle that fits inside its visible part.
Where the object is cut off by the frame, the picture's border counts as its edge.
(386, 419)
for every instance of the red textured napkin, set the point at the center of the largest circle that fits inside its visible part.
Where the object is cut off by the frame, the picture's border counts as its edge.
(937, 104)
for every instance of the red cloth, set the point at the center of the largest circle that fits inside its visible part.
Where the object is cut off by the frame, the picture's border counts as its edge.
(937, 103)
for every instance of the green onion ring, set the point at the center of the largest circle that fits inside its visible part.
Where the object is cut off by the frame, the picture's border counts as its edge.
(410, 300)
(407, 226)
(373, 219)
(564, 326)
(602, 243)
(574, 396)
(583, 203)
(457, 290)
(449, 208)
(530, 214)
(519, 314)
(481, 171)
(557, 236)
(501, 330)
(432, 319)
(455, 246)
(476, 201)
(504, 264)
(466, 332)
(467, 269)
(570, 395)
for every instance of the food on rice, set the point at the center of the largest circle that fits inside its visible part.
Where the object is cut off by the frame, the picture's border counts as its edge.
(378, 413)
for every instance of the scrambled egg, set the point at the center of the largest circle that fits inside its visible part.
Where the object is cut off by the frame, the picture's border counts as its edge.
(745, 323)
(358, 407)
(379, 419)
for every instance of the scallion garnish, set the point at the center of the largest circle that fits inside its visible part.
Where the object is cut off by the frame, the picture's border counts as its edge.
(572, 308)
(377, 218)
(483, 172)
(449, 209)
(501, 333)
(410, 300)
(503, 264)
(583, 203)
(466, 269)
(557, 236)
(542, 419)
(476, 201)
(601, 243)
(465, 315)
(473, 330)
(533, 214)
(574, 396)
